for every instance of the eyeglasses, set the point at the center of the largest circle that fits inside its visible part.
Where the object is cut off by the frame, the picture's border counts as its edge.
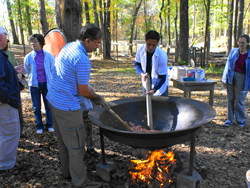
(97, 43)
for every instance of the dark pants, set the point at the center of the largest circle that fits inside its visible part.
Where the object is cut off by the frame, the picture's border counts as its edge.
(35, 94)
(20, 112)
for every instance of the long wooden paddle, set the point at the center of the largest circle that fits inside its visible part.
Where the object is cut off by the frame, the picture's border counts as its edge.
(125, 125)
(149, 103)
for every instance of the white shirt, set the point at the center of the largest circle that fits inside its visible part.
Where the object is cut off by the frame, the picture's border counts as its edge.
(159, 66)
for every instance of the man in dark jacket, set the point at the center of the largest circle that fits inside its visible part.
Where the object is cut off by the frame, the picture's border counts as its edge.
(9, 103)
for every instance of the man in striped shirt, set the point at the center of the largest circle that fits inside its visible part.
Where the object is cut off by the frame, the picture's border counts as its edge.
(70, 80)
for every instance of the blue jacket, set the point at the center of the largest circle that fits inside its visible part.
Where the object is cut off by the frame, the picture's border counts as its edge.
(30, 66)
(9, 86)
(230, 65)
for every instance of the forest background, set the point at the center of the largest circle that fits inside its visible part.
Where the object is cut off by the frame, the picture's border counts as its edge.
(181, 23)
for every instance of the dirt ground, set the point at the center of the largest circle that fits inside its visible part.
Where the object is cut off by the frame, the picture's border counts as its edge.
(222, 153)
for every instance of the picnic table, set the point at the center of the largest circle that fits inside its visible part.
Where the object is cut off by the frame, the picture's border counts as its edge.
(189, 86)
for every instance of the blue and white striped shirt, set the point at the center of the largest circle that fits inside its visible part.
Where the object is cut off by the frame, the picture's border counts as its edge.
(72, 67)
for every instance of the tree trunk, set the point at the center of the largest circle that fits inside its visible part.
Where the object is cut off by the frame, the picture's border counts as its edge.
(145, 15)
(13, 30)
(176, 35)
(241, 13)
(28, 18)
(194, 21)
(169, 34)
(230, 26)
(69, 18)
(133, 26)
(86, 10)
(103, 47)
(235, 23)
(108, 33)
(43, 18)
(227, 20)
(221, 9)
(162, 6)
(21, 26)
(184, 31)
(95, 13)
(207, 33)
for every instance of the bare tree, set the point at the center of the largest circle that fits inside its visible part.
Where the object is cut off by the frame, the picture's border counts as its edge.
(230, 28)
(13, 30)
(194, 21)
(207, 33)
(107, 28)
(177, 53)
(241, 14)
(43, 18)
(27, 8)
(184, 31)
(235, 24)
(86, 10)
(95, 13)
(168, 28)
(102, 47)
(69, 18)
(133, 26)
(162, 7)
(145, 14)
(21, 26)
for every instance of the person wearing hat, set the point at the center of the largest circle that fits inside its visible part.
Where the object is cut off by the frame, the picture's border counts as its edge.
(9, 104)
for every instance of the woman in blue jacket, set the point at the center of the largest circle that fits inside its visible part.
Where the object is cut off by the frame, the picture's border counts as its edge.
(236, 80)
(39, 66)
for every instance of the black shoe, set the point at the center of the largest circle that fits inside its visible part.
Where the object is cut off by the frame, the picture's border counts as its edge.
(16, 167)
(92, 151)
(67, 177)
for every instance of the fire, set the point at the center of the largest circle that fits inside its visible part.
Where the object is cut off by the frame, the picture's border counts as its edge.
(156, 166)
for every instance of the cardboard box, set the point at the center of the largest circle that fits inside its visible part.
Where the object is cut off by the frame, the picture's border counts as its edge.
(179, 72)
(200, 74)
(191, 73)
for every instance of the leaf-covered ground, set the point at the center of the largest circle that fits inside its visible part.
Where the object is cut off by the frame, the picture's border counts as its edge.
(222, 153)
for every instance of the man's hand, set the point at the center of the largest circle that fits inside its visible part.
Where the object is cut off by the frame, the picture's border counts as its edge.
(20, 69)
(100, 100)
(150, 92)
(19, 76)
(144, 76)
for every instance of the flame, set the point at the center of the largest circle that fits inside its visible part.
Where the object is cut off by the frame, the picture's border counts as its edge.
(156, 166)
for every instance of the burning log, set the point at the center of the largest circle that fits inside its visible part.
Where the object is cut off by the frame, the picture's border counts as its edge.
(152, 171)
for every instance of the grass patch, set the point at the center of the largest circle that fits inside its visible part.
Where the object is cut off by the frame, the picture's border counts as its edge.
(214, 70)
(119, 70)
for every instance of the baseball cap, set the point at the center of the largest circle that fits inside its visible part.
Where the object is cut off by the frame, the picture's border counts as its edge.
(3, 30)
